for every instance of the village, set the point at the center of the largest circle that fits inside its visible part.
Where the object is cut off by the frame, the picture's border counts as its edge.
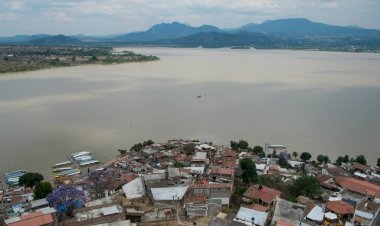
(189, 182)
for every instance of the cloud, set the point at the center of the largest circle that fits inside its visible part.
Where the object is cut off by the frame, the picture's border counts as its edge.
(119, 16)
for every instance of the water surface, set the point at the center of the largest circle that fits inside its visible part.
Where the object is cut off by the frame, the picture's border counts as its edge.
(321, 102)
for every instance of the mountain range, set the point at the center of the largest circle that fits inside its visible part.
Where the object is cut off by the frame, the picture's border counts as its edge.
(282, 33)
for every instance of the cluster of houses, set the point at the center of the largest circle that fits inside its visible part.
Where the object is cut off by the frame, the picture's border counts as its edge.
(164, 184)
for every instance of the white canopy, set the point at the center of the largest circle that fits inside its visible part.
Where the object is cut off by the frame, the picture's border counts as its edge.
(331, 216)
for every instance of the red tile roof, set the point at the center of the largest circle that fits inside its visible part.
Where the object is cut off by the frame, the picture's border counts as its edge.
(229, 163)
(323, 178)
(340, 207)
(222, 171)
(359, 186)
(265, 194)
(230, 153)
(259, 207)
(281, 222)
(357, 165)
(33, 219)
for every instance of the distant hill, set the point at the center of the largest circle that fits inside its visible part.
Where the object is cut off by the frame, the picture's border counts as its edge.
(296, 33)
(163, 31)
(21, 38)
(219, 39)
(55, 40)
(300, 26)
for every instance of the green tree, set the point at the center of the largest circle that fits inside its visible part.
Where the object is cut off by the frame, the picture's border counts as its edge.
(148, 142)
(361, 159)
(249, 170)
(30, 179)
(283, 162)
(234, 145)
(295, 154)
(189, 148)
(122, 151)
(307, 186)
(305, 156)
(42, 189)
(339, 161)
(258, 149)
(326, 159)
(346, 159)
(137, 147)
(243, 144)
(178, 165)
(320, 159)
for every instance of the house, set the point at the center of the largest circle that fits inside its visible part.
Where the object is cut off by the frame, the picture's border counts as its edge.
(38, 218)
(360, 167)
(134, 189)
(167, 195)
(360, 187)
(199, 159)
(315, 215)
(94, 215)
(262, 195)
(251, 217)
(342, 209)
(288, 212)
(221, 174)
(212, 191)
(327, 181)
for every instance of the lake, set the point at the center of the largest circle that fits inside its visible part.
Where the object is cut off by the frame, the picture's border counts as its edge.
(321, 102)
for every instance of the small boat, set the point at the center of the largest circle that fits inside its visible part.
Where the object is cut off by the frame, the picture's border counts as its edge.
(62, 164)
(68, 172)
(62, 169)
(89, 162)
(76, 155)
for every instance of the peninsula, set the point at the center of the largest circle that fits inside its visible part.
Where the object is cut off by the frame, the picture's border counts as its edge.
(16, 58)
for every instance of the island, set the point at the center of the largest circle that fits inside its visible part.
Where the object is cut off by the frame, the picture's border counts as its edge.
(17, 58)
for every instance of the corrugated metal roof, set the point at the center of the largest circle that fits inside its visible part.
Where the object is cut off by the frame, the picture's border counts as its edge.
(168, 193)
(111, 210)
(245, 216)
(134, 189)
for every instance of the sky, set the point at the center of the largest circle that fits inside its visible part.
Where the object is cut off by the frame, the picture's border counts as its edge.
(102, 17)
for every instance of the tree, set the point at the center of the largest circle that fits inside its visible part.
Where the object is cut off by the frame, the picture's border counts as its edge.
(243, 144)
(326, 159)
(307, 186)
(148, 142)
(30, 179)
(189, 148)
(283, 162)
(249, 170)
(339, 160)
(258, 149)
(305, 156)
(361, 159)
(295, 154)
(234, 145)
(137, 147)
(65, 199)
(122, 151)
(378, 162)
(42, 189)
(346, 159)
(320, 159)
(178, 165)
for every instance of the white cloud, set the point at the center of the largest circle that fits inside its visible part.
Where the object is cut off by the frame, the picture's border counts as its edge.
(118, 16)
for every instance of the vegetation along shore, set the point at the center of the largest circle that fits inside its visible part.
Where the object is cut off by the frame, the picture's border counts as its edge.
(16, 58)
